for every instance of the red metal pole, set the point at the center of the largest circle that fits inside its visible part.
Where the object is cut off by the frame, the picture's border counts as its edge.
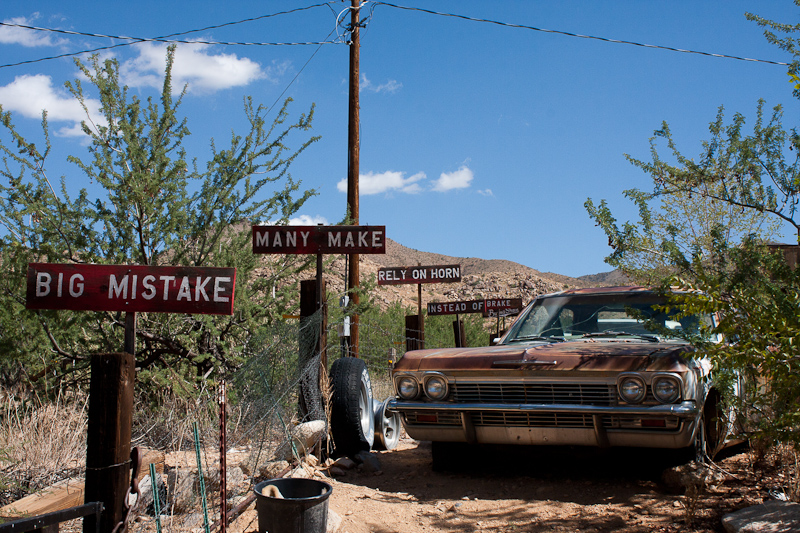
(223, 488)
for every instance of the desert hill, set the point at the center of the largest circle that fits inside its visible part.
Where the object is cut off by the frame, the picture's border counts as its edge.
(480, 278)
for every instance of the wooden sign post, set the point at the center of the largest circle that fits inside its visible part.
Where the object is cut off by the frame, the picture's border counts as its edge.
(317, 240)
(456, 308)
(131, 289)
(415, 332)
(320, 240)
(489, 307)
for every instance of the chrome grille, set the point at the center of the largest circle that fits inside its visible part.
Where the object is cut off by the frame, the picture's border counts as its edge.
(539, 393)
(443, 418)
(533, 420)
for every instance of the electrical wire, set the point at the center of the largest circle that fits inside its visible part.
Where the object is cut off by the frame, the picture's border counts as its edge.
(569, 34)
(165, 38)
(340, 39)
(298, 74)
(160, 39)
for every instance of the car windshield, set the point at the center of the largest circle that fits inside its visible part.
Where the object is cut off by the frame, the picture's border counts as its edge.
(566, 317)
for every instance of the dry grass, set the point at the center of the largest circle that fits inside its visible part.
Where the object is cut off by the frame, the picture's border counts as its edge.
(167, 423)
(40, 443)
(786, 457)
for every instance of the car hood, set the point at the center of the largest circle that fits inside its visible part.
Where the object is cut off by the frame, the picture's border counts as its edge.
(589, 355)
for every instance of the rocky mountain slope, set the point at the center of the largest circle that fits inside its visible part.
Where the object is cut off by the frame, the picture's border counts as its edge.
(480, 278)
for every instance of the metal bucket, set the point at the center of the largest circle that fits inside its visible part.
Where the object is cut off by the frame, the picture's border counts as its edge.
(303, 508)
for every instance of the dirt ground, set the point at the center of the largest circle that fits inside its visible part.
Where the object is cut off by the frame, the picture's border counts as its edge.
(536, 490)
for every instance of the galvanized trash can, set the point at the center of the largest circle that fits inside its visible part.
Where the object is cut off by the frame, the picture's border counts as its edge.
(303, 507)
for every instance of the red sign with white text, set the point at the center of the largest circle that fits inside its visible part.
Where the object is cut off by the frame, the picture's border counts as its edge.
(502, 307)
(455, 308)
(419, 274)
(135, 288)
(319, 239)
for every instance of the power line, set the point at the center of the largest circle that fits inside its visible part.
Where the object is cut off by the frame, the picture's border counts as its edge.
(569, 34)
(170, 38)
(158, 40)
(165, 38)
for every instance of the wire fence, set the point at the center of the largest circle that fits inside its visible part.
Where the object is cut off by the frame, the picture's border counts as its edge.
(264, 403)
(266, 400)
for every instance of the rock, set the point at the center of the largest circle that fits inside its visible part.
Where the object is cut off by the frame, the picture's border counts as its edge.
(773, 516)
(334, 522)
(368, 462)
(145, 503)
(181, 489)
(304, 436)
(335, 471)
(302, 471)
(689, 476)
(345, 463)
(235, 480)
(273, 469)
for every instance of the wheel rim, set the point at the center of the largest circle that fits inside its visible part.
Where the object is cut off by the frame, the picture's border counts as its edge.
(387, 426)
(364, 411)
(390, 428)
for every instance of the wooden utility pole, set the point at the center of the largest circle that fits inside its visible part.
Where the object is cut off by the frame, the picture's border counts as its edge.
(353, 145)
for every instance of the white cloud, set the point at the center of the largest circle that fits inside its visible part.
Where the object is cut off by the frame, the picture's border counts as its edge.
(28, 95)
(24, 36)
(371, 183)
(460, 179)
(486, 192)
(306, 220)
(391, 86)
(194, 65)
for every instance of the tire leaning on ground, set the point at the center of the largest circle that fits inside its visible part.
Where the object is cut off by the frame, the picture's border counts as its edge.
(352, 420)
(387, 426)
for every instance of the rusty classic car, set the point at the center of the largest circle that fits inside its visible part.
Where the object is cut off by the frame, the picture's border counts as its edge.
(586, 367)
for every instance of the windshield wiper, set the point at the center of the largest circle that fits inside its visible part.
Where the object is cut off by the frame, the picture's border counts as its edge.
(609, 333)
(537, 338)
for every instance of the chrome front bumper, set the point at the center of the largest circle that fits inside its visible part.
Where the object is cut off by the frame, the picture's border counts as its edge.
(465, 424)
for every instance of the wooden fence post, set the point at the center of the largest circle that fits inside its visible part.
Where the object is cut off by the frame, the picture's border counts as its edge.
(108, 450)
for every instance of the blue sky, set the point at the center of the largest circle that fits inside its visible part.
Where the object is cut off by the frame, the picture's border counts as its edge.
(477, 139)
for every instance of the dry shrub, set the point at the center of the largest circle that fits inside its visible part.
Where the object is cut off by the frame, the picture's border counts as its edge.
(41, 442)
(789, 475)
(166, 422)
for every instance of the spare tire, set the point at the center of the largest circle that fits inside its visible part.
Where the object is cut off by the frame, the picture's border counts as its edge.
(352, 420)
(387, 426)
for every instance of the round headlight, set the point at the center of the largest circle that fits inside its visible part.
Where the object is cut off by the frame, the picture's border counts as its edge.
(407, 388)
(436, 387)
(632, 389)
(666, 389)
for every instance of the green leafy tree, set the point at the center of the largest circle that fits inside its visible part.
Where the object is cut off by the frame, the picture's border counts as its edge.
(741, 186)
(154, 207)
(734, 189)
(757, 298)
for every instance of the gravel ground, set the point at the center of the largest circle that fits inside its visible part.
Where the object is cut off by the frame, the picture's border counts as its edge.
(538, 490)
